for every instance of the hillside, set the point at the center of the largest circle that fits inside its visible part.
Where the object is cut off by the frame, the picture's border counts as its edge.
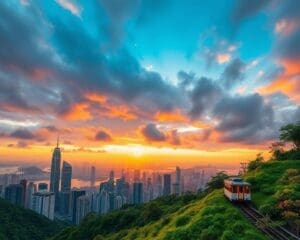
(17, 223)
(189, 217)
(276, 190)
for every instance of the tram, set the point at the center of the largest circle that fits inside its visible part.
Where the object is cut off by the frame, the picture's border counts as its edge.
(235, 189)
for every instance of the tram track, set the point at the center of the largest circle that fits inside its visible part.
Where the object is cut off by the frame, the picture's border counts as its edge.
(259, 220)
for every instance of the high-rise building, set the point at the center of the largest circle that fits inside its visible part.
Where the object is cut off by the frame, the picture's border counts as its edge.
(64, 205)
(14, 194)
(66, 177)
(42, 187)
(75, 194)
(137, 175)
(93, 177)
(23, 182)
(104, 199)
(137, 193)
(43, 203)
(83, 207)
(31, 189)
(167, 184)
(55, 173)
(177, 183)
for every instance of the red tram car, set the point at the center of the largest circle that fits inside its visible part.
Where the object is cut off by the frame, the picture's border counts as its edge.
(235, 189)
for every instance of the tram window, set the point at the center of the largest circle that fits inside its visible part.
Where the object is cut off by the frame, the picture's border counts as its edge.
(247, 189)
(234, 189)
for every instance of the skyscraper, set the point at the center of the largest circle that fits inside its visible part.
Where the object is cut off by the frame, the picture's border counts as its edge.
(167, 184)
(42, 187)
(23, 182)
(137, 193)
(55, 173)
(83, 207)
(66, 177)
(75, 194)
(31, 189)
(177, 183)
(14, 194)
(43, 203)
(65, 194)
(55, 169)
(93, 177)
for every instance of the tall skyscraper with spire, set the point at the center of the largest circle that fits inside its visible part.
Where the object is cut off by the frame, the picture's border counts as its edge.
(55, 171)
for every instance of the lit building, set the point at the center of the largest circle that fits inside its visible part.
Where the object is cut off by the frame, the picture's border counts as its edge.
(83, 207)
(55, 173)
(14, 194)
(137, 193)
(43, 203)
(167, 184)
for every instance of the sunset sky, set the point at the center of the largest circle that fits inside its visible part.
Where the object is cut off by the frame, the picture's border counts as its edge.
(146, 83)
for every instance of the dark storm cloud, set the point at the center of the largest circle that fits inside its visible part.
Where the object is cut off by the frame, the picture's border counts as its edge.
(20, 35)
(247, 8)
(289, 47)
(22, 134)
(76, 65)
(233, 73)
(101, 135)
(151, 133)
(10, 94)
(243, 117)
(204, 94)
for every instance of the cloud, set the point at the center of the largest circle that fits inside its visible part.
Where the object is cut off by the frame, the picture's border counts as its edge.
(247, 8)
(204, 94)
(70, 6)
(151, 133)
(22, 134)
(243, 118)
(233, 73)
(102, 135)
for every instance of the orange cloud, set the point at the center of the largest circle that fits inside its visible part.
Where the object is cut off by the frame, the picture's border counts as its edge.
(175, 116)
(287, 83)
(223, 58)
(78, 112)
(119, 111)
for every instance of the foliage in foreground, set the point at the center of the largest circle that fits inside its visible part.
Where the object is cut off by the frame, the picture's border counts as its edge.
(276, 190)
(17, 223)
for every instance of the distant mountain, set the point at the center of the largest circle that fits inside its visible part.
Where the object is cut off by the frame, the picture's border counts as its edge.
(17, 223)
(31, 170)
(205, 216)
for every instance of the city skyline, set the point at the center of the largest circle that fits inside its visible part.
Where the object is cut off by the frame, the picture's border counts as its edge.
(143, 84)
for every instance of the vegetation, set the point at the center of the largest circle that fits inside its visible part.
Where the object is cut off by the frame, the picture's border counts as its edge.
(17, 223)
(289, 136)
(192, 216)
(276, 191)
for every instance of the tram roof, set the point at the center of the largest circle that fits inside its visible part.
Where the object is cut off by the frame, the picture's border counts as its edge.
(237, 181)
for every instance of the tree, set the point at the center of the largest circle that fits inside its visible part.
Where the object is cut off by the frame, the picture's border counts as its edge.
(291, 133)
(217, 181)
(277, 149)
(256, 163)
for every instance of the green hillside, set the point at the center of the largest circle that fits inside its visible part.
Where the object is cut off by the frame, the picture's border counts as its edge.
(190, 217)
(276, 190)
(17, 223)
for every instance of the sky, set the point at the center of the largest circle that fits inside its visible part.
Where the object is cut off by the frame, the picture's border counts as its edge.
(146, 83)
